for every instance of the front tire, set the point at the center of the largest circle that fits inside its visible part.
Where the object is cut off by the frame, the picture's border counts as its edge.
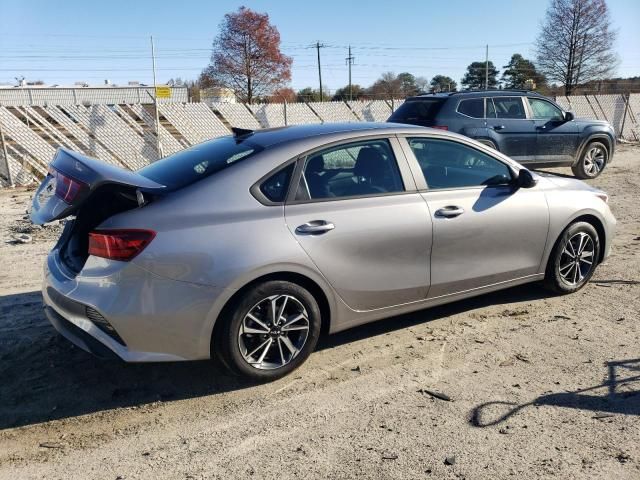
(573, 259)
(270, 331)
(592, 162)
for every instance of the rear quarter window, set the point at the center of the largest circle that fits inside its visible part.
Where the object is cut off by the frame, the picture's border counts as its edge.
(275, 187)
(472, 107)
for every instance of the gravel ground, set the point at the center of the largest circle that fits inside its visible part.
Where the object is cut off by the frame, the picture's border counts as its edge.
(512, 384)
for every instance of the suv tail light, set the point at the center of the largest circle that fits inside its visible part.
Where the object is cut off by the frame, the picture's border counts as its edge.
(441, 127)
(67, 188)
(120, 245)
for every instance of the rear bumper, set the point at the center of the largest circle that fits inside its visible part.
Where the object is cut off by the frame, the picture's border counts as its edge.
(155, 319)
(78, 336)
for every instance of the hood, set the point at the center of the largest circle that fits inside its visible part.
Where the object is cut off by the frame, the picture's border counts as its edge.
(592, 122)
(567, 183)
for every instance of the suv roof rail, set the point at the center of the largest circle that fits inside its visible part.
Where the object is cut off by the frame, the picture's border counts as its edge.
(461, 92)
(518, 90)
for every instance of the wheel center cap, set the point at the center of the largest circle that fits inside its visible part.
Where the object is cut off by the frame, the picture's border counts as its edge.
(275, 332)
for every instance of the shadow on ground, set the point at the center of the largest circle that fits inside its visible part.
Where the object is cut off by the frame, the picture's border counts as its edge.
(619, 394)
(45, 378)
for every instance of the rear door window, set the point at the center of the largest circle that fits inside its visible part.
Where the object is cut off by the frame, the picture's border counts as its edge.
(472, 107)
(355, 169)
(418, 112)
(509, 107)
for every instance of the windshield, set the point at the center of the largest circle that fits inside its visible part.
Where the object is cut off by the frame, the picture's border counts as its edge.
(198, 162)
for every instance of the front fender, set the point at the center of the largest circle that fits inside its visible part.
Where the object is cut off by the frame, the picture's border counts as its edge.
(591, 134)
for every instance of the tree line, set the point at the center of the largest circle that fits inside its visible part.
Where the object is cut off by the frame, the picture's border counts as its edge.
(574, 49)
(519, 73)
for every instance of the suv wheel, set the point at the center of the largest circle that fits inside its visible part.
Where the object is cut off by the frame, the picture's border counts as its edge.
(593, 160)
(573, 259)
(270, 331)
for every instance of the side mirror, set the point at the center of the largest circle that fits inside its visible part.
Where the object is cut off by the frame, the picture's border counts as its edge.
(568, 116)
(525, 179)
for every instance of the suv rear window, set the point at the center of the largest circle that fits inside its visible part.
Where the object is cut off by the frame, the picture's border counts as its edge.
(418, 112)
(200, 161)
(473, 107)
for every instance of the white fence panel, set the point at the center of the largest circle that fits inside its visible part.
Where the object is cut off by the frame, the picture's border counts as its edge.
(269, 114)
(371, 111)
(28, 144)
(195, 121)
(333, 111)
(236, 115)
(301, 114)
(169, 143)
(632, 122)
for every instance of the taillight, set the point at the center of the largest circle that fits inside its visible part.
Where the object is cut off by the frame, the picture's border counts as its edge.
(67, 188)
(441, 127)
(122, 244)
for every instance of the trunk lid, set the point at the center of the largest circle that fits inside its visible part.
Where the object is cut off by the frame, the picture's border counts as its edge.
(73, 178)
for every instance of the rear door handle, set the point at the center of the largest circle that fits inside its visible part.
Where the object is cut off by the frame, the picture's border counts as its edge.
(315, 227)
(498, 127)
(449, 211)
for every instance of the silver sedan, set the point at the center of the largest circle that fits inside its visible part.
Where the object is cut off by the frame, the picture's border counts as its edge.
(248, 247)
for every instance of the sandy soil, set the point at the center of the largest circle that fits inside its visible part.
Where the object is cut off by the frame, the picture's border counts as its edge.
(537, 386)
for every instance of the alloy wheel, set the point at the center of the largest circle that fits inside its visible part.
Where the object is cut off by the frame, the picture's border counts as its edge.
(273, 332)
(594, 161)
(577, 258)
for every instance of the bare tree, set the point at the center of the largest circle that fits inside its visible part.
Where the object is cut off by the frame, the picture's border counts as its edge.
(575, 44)
(422, 84)
(387, 86)
(246, 56)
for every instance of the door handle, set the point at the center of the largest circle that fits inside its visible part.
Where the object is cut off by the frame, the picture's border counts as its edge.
(498, 127)
(449, 211)
(315, 227)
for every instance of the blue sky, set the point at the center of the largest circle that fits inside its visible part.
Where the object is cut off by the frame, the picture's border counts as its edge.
(67, 41)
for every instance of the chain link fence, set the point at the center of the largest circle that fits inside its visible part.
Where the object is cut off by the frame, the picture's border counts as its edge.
(125, 133)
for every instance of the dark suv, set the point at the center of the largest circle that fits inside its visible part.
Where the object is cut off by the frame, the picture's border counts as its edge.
(524, 125)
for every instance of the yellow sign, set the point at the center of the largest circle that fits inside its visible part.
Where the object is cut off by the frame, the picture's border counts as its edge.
(163, 91)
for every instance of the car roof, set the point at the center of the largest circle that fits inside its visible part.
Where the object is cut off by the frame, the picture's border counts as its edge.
(476, 93)
(271, 136)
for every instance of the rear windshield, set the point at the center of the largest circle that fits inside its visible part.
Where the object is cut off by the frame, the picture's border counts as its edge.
(418, 112)
(198, 162)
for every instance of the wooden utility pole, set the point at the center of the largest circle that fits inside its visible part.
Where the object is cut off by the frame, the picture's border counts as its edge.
(350, 60)
(486, 69)
(155, 100)
(318, 47)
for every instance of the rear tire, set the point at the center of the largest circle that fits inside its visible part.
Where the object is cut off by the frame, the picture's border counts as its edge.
(573, 259)
(592, 162)
(269, 332)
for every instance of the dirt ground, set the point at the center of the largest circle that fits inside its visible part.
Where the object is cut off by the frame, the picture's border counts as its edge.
(534, 385)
